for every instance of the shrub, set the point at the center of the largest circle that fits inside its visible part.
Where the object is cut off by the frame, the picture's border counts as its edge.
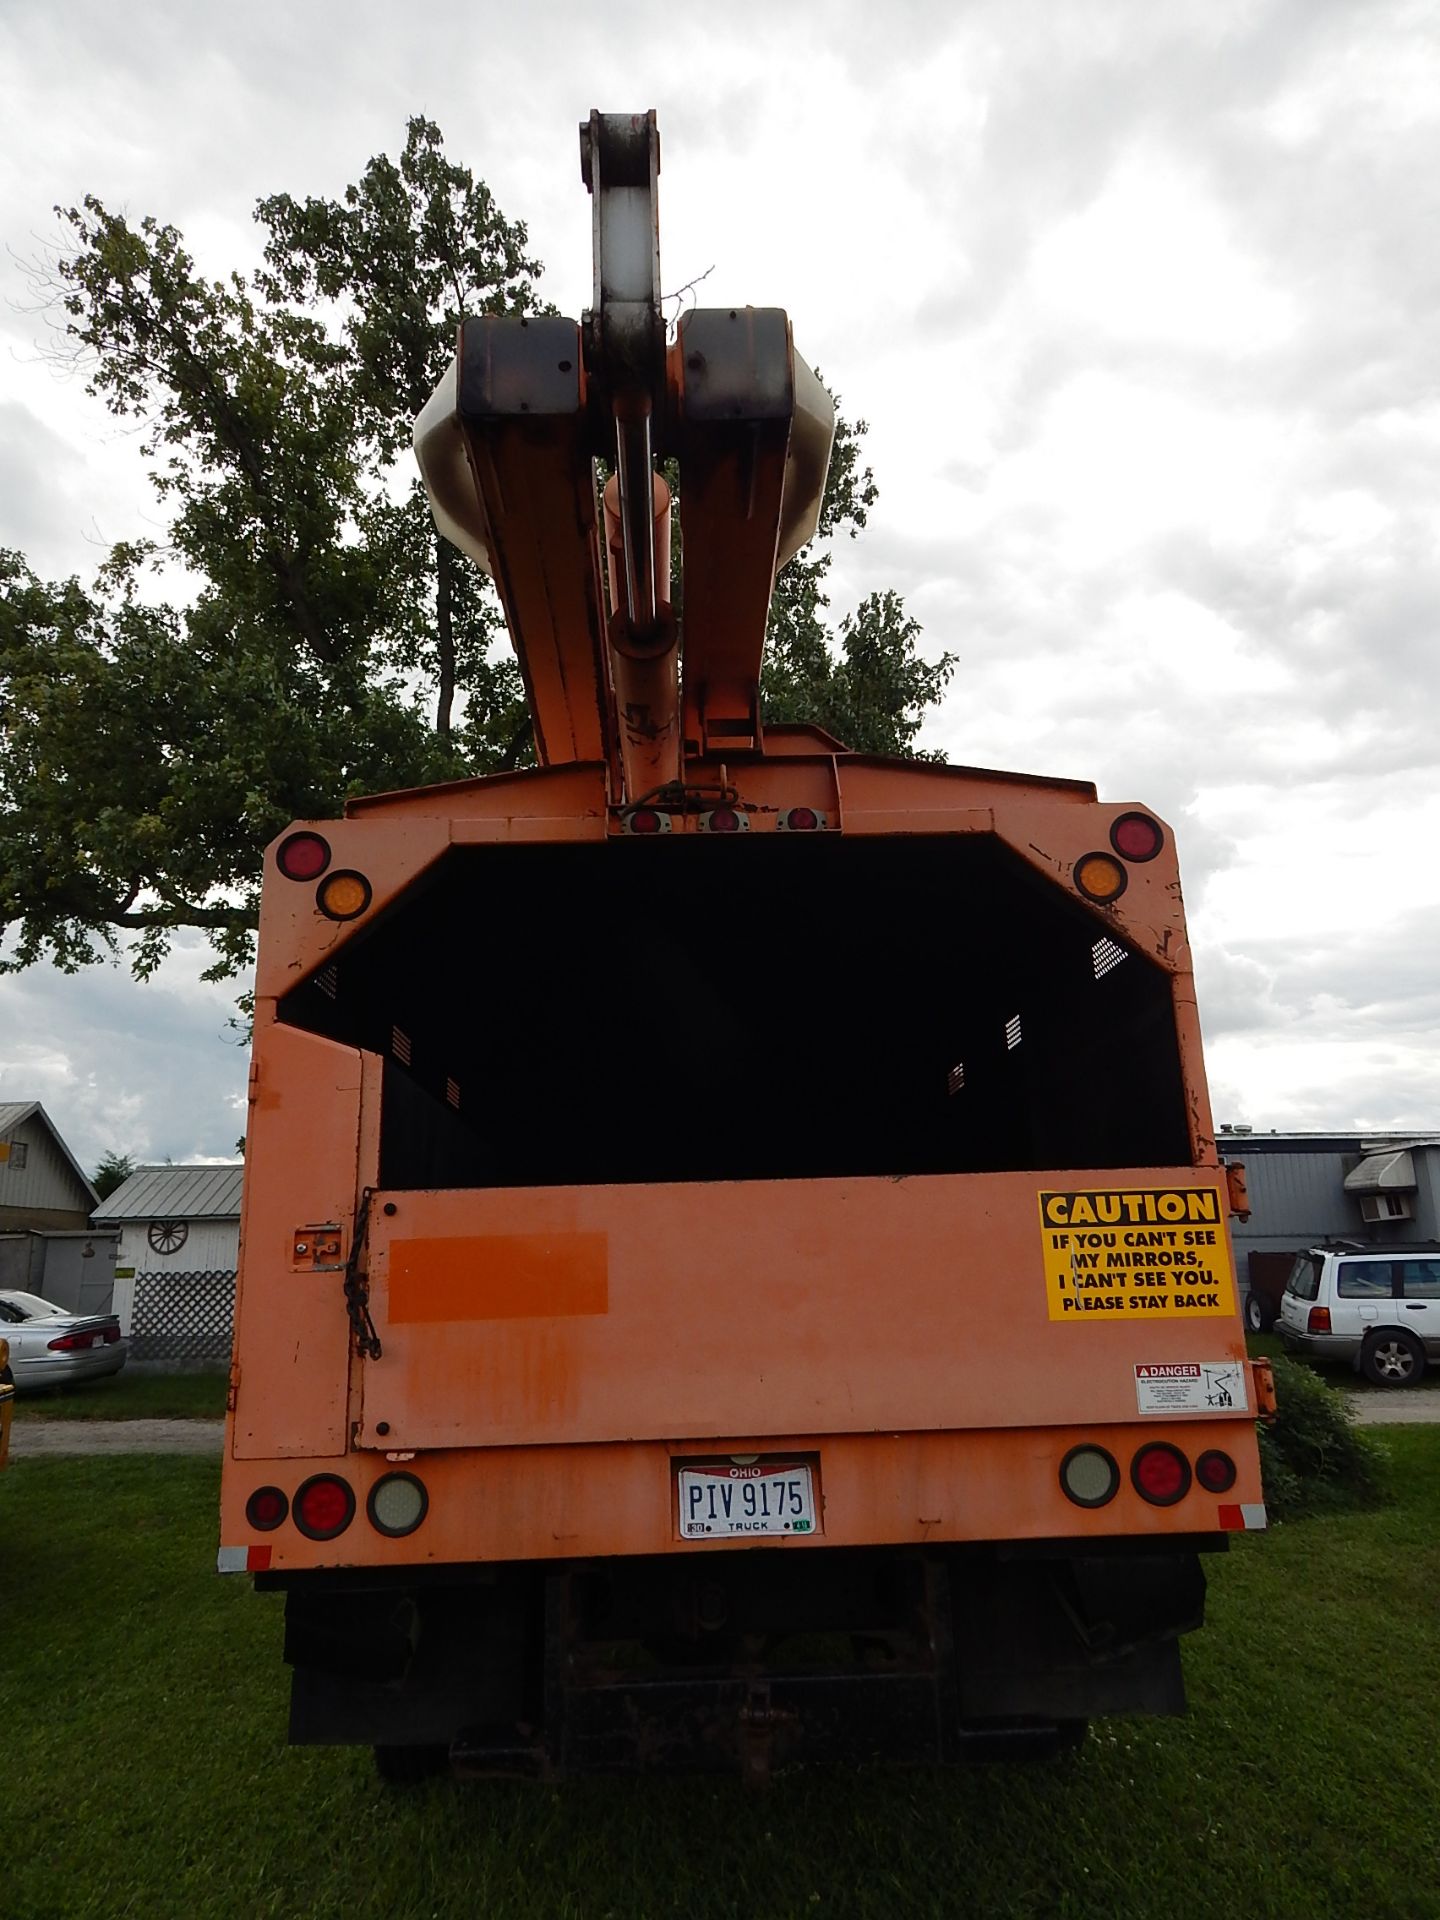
(1314, 1459)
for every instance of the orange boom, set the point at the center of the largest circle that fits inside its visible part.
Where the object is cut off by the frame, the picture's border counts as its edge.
(734, 1259)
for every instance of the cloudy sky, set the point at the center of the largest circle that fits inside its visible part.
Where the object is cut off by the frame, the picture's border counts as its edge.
(1142, 304)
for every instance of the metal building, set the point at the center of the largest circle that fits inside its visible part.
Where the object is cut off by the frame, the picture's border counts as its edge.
(1374, 1190)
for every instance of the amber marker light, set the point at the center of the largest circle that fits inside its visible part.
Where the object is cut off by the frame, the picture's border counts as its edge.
(343, 895)
(1100, 877)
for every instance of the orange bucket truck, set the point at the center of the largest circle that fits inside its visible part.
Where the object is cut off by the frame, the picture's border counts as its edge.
(735, 1261)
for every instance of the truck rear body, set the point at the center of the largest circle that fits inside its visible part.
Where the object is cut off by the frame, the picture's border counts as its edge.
(840, 1133)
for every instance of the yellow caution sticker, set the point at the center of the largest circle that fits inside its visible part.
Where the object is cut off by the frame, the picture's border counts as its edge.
(1147, 1253)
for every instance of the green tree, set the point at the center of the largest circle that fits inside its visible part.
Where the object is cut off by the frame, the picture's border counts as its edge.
(873, 691)
(319, 639)
(113, 1171)
(153, 749)
(408, 252)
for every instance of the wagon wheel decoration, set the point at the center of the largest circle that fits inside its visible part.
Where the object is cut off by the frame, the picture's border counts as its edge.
(167, 1236)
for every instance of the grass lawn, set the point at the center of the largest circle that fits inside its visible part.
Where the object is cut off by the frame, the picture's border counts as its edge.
(142, 1721)
(130, 1396)
(1264, 1346)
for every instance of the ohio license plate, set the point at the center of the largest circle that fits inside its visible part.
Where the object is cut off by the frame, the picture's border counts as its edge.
(722, 1501)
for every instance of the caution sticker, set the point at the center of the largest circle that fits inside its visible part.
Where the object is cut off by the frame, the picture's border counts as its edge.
(1152, 1253)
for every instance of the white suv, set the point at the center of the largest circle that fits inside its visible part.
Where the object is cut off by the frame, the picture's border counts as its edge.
(1378, 1309)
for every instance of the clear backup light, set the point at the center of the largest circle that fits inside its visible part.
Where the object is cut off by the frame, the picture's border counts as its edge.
(1160, 1474)
(1089, 1476)
(397, 1504)
(724, 820)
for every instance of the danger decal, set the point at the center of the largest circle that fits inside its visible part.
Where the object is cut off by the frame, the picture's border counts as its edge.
(1191, 1386)
(1150, 1252)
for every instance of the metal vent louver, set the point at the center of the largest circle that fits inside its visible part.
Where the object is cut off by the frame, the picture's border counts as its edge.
(1106, 956)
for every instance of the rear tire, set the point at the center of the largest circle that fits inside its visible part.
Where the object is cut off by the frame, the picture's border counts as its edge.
(408, 1766)
(1392, 1359)
(1259, 1317)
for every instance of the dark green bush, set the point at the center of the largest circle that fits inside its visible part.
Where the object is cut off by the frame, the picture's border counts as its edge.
(1314, 1459)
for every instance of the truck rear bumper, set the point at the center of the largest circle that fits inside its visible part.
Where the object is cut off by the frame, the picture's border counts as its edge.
(506, 1504)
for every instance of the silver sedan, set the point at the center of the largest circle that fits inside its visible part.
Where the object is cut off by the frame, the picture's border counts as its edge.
(50, 1346)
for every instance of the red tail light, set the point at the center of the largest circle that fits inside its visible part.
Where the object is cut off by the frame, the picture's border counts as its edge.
(266, 1509)
(1160, 1474)
(324, 1507)
(1135, 836)
(723, 820)
(1215, 1471)
(70, 1343)
(647, 820)
(304, 856)
(1319, 1320)
(112, 1334)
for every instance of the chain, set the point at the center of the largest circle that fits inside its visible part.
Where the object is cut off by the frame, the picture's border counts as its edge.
(357, 1287)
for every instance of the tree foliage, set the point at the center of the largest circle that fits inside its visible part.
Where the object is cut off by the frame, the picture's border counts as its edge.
(114, 1170)
(302, 634)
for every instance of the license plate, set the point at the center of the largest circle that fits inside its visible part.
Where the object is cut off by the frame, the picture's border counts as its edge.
(725, 1502)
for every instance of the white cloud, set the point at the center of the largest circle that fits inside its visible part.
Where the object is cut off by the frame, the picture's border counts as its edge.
(1153, 261)
(153, 1071)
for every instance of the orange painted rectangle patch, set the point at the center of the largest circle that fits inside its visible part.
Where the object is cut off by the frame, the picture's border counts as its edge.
(500, 1276)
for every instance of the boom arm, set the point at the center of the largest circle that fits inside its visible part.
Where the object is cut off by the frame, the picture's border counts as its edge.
(507, 446)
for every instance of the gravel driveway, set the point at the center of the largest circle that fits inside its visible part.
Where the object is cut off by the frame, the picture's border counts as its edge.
(1396, 1406)
(31, 1438)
